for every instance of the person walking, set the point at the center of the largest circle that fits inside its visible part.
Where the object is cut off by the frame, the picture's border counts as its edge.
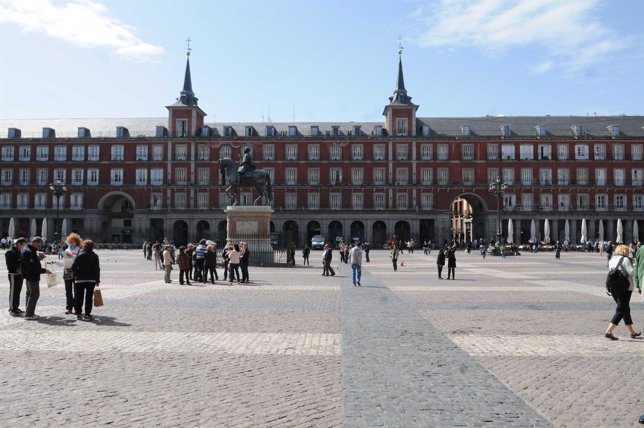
(621, 260)
(145, 245)
(13, 258)
(244, 257)
(233, 263)
(73, 242)
(306, 251)
(440, 262)
(395, 252)
(87, 275)
(355, 260)
(200, 259)
(557, 250)
(225, 262)
(183, 261)
(168, 261)
(451, 262)
(639, 270)
(158, 256)
(367, 248)
(210, 265)
(31, 271)
(327, 258)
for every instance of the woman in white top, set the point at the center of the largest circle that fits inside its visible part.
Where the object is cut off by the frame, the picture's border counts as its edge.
(622, 257)
(73, 242)
(233, 263)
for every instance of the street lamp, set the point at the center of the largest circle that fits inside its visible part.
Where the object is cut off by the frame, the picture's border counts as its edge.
(57, 189)
(498, 188)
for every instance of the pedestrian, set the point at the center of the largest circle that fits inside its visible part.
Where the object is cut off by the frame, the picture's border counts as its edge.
(367, 248)
(327, 258)
(451, 262)
(557, 250)
(483, 250)
(233, 263)
(149, 250)
(190, 251)
(244, 257)
(306, 251)
(157, 250)
(395, 252)
(13, 257)
(224, 257)
(355, 260)
(609, 251)
(31, 271)
(168, 261)
(210, 265)
(425, 247)
(341, 251)
(440, 262)
(622, 259)
(290, 256)
(87, 275)
(199, 260)
(503, 249)
(183, 261)
(73, 242)
(639, 269)
(145, 246)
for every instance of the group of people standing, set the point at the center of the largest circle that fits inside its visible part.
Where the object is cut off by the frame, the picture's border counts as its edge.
(81, 273)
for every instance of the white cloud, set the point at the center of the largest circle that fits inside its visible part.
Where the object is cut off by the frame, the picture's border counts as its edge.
(563, 33)
(83, 23)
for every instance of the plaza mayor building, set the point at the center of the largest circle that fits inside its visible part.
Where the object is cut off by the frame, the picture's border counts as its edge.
(548, 178)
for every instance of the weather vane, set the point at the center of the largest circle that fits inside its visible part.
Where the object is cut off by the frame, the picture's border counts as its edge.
(188, 46)
(400, 46)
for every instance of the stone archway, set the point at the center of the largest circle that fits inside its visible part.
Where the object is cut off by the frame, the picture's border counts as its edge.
(335, 232)
(203, 230)
(378, 234)
(292, 232)
(118, 213)
(180, 233)
(312, 228)
(402, 231)
(357, 231)
(468, 215)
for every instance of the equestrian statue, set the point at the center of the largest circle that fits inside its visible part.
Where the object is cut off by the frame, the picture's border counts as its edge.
(246, 176)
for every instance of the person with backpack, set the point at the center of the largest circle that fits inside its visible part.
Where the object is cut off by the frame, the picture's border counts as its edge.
(621, 262)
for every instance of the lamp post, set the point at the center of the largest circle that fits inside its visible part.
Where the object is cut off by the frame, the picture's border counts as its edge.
(498, 188)
(57, 189)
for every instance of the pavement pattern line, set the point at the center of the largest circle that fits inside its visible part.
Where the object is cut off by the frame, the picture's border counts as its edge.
(399, 370)
(308, 344)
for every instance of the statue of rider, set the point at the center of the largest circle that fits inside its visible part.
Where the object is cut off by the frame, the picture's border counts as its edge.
(247, 164)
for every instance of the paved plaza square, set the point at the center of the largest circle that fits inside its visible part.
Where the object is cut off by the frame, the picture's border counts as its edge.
(515, 342)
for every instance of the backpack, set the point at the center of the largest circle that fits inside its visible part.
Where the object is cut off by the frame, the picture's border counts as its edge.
(616, 281)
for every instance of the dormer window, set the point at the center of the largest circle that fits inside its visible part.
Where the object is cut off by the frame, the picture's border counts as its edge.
(270, 131)
(356, 130)
(229, 131)
(335, 130)
(465, 130)
(315, 131)
(292, 131)
(249, 131)
(614, 130)
(377, 131)
(576, 131)
(541, 130)
(505, 131)
(425, 131)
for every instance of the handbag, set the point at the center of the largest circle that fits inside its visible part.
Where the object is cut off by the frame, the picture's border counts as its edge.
(98, 297)
(52, 279)
(68, 274)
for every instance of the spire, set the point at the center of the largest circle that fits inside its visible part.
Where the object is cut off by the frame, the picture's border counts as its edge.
(187, 96)
(400, 94)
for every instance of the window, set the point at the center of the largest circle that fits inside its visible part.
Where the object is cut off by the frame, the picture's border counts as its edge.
(42, 176)
(401, 201)
(425, 130)
(203, 200)
(443, 152)
(314, 201)
(203, 176)
(156, 200)
(156, 176)
(426, 176)
(357, 176)
(315, 131)
(379, 176)
(335, 201)
(314, 176)
(581, 151)
(7, 177)
(291, 152)
(336, 152)
(563, 176)
(116, 177)
(117, 153)
(526, 176)
(620, 202)
(526, 152)
(545, 151)
(157, 152)
(601, 202)
(60, 153)
(563, 202)
(526, 201)
(76, 201)
(467, 151)
(181, 176)
(379, 201)
(509, 202)
(426, 152)
(93, 153)
(636, 176)
(427, 201)
(377, 130)
(291, 176)
(542, 131)
(22, 200)
(356, 201)
(507, 151)
(40, 201)
(224, 200)
(335, 175)
(508, 176)
(42, 153)
(78, 153)
(600, 152)
(402, 175)
(492, 151)
(576, 131)
(25, 153)
(225, 151)
(546, 202)
(270, 132)
(638, 202)
(24, 176)
(443, 176)
(545, 177)
(468, 176)
(505, 131)
(401, 127)
(583, 201)
(60, 175)
(618, 152)
(466, 130)
(562, 151)
(492, 174)
(5, 200)
(379, 152)
(141, 177)
(77, 177)
(180, 200)
(181, 128)
(600, 176)
(313, 151)
(7, 153)
(357, 151)
(92, 177)
(249, 131)
(268, 152)
(401, 152)
(582, 176)
(619, 177)
(141, 153)
(58, 202)
(290, 200)
(335, 130)
(203, 152)
(181, 152)
(636, 152)
(292, 131)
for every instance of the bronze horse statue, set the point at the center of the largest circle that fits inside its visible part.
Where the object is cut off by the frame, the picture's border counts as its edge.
(258, 178)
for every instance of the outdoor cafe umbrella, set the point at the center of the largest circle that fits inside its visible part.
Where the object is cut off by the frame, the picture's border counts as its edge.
(510, 231)
(533, 232)
(567, 232)
(546, 231)
(43, 232)
(12, 228)
(32, 228)
(584, 232)
(620, 231)
(63, 229)
(601, 230)
(636, 231)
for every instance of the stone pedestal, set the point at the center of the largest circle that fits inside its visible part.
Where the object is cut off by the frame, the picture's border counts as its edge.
(251, 224)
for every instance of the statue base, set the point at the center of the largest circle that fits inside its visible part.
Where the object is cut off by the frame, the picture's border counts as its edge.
(251, 224)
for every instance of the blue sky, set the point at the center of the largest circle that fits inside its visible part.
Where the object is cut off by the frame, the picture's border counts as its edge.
(320, 60)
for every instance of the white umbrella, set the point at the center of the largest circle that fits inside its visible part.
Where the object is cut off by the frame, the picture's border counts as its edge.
(63, 229)
(620, 231)
(533, 232)
(567, 232)
(601, 230)
(43, 231)
(510, 231)
(32, 228)
(546, 231)
(12, 228)
(636, 232)
(584, 232)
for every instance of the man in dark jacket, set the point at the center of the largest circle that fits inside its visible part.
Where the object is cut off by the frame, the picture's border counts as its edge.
(87, 276)
(327, 257)
(13, 257)
(31, 270)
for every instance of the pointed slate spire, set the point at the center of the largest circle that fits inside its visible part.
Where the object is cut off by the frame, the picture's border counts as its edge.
(187, 96)
(400, 94)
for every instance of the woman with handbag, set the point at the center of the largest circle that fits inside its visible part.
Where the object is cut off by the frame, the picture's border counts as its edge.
(69, 254)
(87, 275)
(621, 259)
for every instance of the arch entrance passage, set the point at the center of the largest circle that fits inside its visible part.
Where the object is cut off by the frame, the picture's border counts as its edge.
(180, 233)
(402, 231)
(467, 223)
(312, 228)
(378, 234)
(335, 232)
(118, 210)
(357, 231)
(291, 233)
(203, 230)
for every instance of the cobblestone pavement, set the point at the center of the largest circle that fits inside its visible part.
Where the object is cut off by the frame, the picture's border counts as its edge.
(514, 342)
